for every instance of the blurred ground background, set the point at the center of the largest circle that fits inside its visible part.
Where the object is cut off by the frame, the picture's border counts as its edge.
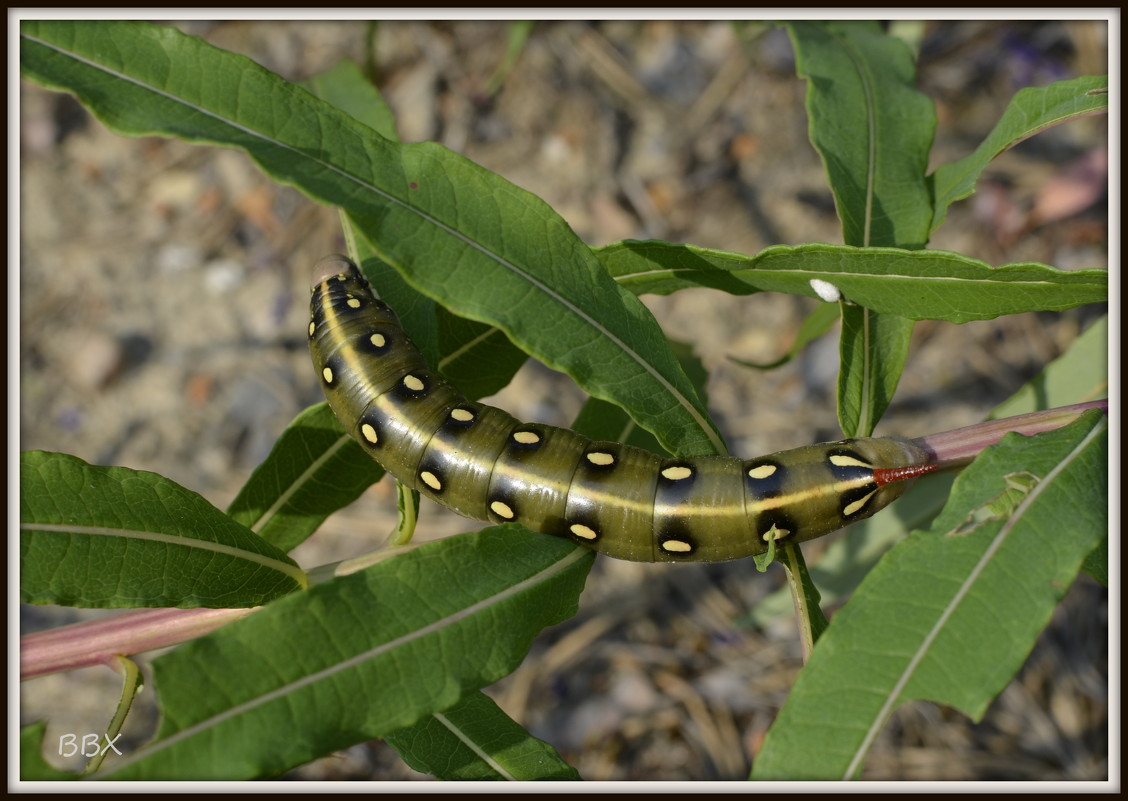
(163, 302)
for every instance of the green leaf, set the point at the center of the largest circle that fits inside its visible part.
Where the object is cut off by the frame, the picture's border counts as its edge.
(1031, 110)
(872, 128)
(805, 597)
(656, 267)
(483, 247)
(764, 561)
(873, 350)
(357, 657)
(1079, 375)
(475, 741)
(600, 420)
(968, 601)
(112, 537)
(603, 421)
(33, 767)
(476, 357)
(1096, 563)
(345, 86)
(917, 284)
(313, 470)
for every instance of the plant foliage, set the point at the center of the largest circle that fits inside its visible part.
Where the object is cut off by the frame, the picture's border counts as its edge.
(400, 649)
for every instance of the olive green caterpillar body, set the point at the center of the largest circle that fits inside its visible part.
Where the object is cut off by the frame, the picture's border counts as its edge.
(617, 499)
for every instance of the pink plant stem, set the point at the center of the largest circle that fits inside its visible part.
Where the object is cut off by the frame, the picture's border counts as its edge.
(956, 448)
(97, 642)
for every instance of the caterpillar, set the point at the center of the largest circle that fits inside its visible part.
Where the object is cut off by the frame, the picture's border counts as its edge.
(622, 501)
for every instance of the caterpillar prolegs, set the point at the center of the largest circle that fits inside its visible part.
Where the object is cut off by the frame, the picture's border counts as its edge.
(620, 500)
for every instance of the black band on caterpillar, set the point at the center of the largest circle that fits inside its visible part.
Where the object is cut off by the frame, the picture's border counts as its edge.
(622, 501)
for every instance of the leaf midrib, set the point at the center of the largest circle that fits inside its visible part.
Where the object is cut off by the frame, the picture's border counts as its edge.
(950, 608)
(296, 573)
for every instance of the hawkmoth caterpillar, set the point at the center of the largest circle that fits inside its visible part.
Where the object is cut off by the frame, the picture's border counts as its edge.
(620, 500)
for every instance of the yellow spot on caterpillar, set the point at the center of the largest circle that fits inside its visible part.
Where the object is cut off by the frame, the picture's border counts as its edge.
(601, 458)
(352, 303)
(312, 327)
(327, 374)
(676, 546)
(502, 510)
(526, 437)
(856, 506)
(763, 471)
(378, 340)
(461, 415)
(431, 480)
(677, 474)
(842, 460)
(368, 432)
(583, 532)
(413, 383)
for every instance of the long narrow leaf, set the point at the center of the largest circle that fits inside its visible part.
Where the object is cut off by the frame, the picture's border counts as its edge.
(969, 598)
(345, 86)
(873, 350)
(476, 357)
(483, 247)
(475, 741)
(917, 284)
(1031, 110)
(313, 470)
(357, 657)
(111, 537)
(872, 128)
(33, 767)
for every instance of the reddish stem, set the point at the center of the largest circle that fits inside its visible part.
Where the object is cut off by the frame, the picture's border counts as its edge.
(97, 642)
(954, 449)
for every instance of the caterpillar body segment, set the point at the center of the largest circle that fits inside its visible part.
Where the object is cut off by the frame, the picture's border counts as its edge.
(620, 500)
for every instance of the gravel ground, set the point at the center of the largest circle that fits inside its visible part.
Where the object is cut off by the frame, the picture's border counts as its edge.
(163, 294)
